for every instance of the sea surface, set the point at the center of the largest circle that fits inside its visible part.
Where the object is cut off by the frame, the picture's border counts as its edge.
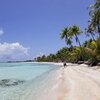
(25, 81)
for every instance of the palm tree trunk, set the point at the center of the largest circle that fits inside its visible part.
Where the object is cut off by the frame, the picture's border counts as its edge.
(81, 56)
(78, 40)
(92, 37)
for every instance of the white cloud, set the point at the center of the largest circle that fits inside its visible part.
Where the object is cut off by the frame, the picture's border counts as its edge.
(1, 32)
(12, 51)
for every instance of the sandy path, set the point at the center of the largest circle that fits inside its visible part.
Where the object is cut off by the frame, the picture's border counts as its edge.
(82, 83)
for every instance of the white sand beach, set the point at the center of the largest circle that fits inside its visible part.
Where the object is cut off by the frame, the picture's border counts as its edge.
(74, 82)
(78, 82)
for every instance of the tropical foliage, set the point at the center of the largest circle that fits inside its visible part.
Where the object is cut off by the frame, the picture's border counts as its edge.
(94, 21)
(89, 50)
(94, 51)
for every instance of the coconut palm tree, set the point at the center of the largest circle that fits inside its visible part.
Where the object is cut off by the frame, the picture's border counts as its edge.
(94, 22)
(65, 35)
(70, 32)
(89, 33)
(74, 31)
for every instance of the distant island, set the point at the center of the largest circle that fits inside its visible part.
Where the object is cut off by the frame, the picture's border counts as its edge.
(20, 61)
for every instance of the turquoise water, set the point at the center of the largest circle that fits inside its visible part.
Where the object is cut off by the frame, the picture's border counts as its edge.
(25, 81)
(24, 71)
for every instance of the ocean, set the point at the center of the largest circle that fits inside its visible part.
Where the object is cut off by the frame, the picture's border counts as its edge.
(26, 81)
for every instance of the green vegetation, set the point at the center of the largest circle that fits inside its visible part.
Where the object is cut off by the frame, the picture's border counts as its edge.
(94, 21)
(89, 50)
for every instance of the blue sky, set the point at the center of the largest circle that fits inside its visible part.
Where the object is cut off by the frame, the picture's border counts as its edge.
(35, 24)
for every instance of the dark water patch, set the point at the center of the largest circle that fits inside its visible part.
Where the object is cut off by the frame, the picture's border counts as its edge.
(10, 82)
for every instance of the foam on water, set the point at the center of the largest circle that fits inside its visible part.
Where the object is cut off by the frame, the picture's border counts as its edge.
(39, 79)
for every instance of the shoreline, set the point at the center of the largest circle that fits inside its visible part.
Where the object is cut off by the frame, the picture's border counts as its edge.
(73, 82)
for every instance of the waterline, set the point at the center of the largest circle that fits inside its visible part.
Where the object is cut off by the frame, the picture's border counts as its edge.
(32, 88)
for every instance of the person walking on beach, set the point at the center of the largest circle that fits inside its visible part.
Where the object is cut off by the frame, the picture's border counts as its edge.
(64, 64)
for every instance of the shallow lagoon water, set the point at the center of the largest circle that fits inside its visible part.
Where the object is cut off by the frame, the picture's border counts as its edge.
(24, 71)
(35, 77)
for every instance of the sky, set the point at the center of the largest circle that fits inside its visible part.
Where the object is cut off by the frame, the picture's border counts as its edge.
(29, 28)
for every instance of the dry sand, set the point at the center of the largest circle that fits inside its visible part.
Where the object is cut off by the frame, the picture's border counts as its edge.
(75, 82)
(79, 82)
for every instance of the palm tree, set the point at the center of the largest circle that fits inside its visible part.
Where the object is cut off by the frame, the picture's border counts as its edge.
(75, 31)
(69, 32)
(88, 33)
(65, 35)
(94, 50)
(94, 22)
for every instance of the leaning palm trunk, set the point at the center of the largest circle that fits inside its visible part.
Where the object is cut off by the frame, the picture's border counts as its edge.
(77, 40)
(92, 36)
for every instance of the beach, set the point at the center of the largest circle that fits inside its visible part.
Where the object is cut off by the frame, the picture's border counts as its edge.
(74, 82)
(50, 50)
(79, 82)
